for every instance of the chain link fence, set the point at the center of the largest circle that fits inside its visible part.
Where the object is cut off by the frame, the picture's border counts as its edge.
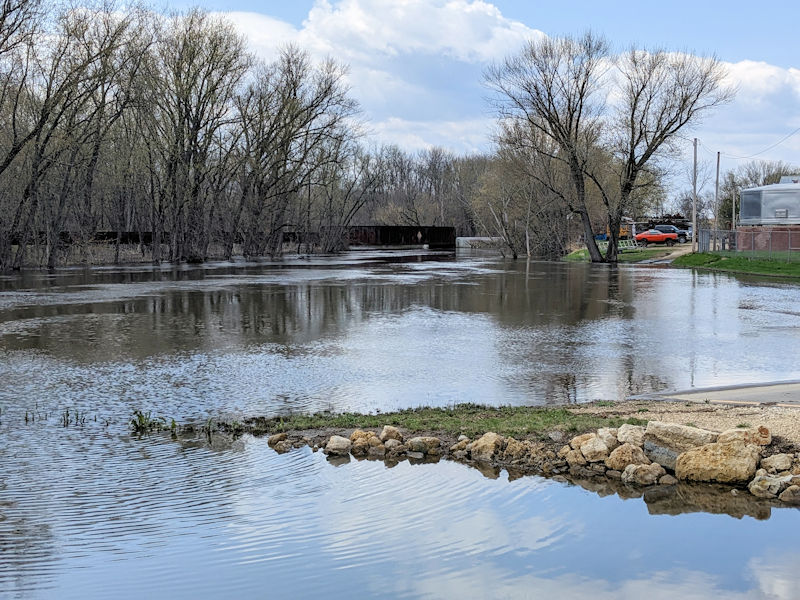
(773, 244)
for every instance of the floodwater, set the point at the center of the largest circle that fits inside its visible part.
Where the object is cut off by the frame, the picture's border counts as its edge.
(90, 511)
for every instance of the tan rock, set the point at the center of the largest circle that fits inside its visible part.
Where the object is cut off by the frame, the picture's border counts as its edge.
(516, 450)
(338, 446)
(377, 451)
(358, 434)
(484, 448)
(733, 462)
(791, 495)
(392, 443)
(609, 437)
(630, 434)
(626, 454)
(282, 446)
(594, 450)
(390, 433)
(578, 441)
(678, 437)
(459, 446)
(768, 486)
(274, 439)
(777, 462)
(643, 474)
(564, 451)
(425, 445)
(667, 480)
(575, 458)
(759, 436)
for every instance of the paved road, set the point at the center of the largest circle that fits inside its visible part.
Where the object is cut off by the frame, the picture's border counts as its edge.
(780, 394)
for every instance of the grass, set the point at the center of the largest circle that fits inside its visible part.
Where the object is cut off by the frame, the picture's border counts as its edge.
(143, 422)
(468, 419)
(629, 256)
(738, 264)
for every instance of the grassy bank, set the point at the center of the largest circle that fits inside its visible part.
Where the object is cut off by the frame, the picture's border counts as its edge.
(468, 419)
(630, 256)
(738, 264)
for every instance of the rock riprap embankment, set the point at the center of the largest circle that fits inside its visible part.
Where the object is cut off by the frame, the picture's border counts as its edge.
(658, 454)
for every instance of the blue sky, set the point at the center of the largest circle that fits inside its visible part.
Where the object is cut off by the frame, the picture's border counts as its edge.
(416, 65)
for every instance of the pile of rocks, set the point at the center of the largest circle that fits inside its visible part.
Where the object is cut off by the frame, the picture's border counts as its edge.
(658, 454)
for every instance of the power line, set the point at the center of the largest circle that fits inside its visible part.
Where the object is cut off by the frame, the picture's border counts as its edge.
(767, 149)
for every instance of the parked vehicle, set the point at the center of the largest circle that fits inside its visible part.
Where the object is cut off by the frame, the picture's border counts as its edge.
(654, 236)
(683, 235)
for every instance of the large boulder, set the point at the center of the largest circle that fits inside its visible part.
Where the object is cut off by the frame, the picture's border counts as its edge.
(390, 433)
(485, 447)
(580, 440)
(630, 434)
(594, 450)
(733, 462)
(760, 436)
(338, 446)
(777, 463)
(625, 455)
(663, 442)
(643, 474)
(424, 445)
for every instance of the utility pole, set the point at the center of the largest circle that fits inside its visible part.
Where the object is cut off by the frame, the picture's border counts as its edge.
(694, 199)
(716, 205)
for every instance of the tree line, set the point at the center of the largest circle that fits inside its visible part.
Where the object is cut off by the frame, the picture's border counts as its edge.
(129, 120)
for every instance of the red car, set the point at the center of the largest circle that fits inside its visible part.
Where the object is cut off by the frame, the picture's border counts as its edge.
(654, 236)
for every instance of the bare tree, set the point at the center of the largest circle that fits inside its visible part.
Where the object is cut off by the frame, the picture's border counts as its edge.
(661, 94)
(553, 87)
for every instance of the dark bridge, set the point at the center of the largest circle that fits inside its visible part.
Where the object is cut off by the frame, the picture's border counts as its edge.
(401, 235)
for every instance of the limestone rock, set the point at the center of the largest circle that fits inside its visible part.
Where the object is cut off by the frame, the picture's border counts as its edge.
(415, 455)
(609, 437)
(733, 462)
(777, 463)
(282, 446)
(768, 486)
(484, 448)
(667, 480)
(791, 495)
(338, 446)
(274, 439)
(516, 450)
(624, 455)
(575, 458)
(459, 446)
(613, 474)
(564, 451)
(594, 450)
(643, 474)
(663, 442)
(392, 443)
(630, 434)
(759, 436)
(390, 433)
(580, 440)
(425, 445)
(358, 434)
(556, 436)
(462, 438)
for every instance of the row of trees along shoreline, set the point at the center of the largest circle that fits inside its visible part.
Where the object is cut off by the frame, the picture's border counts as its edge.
(129, 120)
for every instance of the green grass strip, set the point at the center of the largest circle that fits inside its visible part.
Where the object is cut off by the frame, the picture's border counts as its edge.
(738, 264)
(468, 419)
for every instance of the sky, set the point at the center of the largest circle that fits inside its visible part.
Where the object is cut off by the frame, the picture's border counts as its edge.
(416, 66)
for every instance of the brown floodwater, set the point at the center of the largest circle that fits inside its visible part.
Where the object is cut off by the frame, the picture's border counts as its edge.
(88, 510)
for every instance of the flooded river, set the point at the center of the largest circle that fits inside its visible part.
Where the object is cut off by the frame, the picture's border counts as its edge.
(89, 510)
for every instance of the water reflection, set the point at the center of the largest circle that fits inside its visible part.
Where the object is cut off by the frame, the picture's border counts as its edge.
(89, 511)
